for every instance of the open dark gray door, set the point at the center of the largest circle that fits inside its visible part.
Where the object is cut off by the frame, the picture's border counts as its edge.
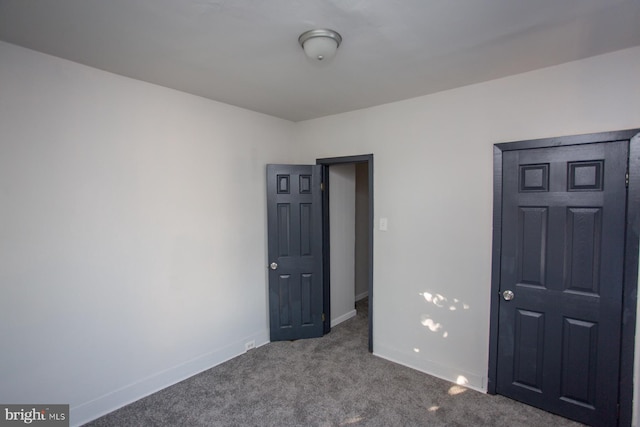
(561, 279)
(294, 218)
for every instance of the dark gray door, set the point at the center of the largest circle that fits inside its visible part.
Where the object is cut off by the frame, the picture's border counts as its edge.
(294, 218)
(561, 279)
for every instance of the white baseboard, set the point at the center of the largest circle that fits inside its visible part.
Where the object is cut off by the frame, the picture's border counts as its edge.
(116, 399)
(362, 295)
(447, 373)
(342, 318)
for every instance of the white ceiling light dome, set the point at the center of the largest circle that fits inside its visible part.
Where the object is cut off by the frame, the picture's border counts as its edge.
(321, 44)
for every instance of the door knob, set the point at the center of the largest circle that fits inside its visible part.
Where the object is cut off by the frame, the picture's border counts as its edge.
(508, 295)
(274, 265)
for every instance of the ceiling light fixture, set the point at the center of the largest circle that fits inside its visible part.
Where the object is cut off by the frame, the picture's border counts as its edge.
(320, 44)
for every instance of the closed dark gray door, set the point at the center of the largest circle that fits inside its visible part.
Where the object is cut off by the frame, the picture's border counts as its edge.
(561, 279)
(294, 217)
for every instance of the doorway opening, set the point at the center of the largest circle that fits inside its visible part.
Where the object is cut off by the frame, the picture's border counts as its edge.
(347, 221)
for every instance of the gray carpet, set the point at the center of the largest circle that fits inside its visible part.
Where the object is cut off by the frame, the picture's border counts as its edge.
(329, 381)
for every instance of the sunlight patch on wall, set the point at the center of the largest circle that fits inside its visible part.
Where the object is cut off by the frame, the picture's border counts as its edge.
(462, 380)
(430, 324)
(442, 302)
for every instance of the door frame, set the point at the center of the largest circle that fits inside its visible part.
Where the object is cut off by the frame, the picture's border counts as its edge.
(630, 269)
(326, 259)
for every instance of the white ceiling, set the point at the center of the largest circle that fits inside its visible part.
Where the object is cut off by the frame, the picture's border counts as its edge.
(246, 52)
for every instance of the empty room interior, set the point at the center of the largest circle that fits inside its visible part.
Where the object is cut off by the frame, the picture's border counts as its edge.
(136, 231)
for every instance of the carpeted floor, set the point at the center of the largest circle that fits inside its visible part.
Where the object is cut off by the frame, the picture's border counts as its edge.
(328, 381)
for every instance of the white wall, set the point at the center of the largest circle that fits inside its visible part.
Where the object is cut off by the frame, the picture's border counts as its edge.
(342, 218)
(362, 231)
(433, 181)
(132, 239)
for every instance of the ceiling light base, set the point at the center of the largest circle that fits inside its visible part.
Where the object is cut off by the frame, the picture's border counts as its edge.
(320, 44)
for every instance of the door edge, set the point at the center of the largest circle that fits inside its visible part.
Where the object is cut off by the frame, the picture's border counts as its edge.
(496, 251)
(630, 286)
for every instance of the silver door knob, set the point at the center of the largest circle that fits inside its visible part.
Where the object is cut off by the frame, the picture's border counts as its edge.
(274, 265)
(508, 295)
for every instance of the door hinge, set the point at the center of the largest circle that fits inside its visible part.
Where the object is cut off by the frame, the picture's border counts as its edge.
(323, 317)
(626, 179)
(322, 186)
(618, 411)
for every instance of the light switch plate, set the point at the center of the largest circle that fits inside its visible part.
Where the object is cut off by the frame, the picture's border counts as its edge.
(383, 224)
